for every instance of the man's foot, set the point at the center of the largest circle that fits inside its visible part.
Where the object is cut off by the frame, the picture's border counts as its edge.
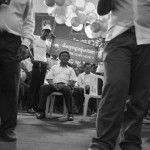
(70, 117)
(8, 135)
(146, 121)
(96, 146)
(31, 110)
(93, 149)
(40, 115)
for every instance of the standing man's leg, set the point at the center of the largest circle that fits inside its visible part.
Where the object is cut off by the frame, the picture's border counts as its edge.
(78, 95)
(40, 82)
(32, 87)
(138, 102)
(9, 85)
(117, 63)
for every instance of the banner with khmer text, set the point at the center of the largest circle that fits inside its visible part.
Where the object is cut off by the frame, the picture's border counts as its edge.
(78, 51)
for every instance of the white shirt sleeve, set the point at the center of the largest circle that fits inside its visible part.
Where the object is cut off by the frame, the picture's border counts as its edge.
(29, 24)
(80, 80)
(50, 74)
(73, 75)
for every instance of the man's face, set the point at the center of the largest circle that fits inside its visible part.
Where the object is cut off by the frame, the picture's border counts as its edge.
(54, 56)
(87, 69)
(64, 57)
(45, 33)
(76, 71)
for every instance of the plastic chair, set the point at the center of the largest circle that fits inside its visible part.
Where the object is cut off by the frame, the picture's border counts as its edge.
(50, 105)
(95, 92)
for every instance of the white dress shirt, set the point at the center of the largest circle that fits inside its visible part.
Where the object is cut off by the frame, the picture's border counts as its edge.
(61, 74)
(83, 79)
(18, 18)
(128, 13)
(39, 48)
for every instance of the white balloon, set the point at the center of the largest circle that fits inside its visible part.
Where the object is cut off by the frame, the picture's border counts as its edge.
(70, 10)
(56, 46)
(67, 2)
(97, 34)
(68, 22)
(105, 17)
(89, 36)
(78, 28)
(88, 31)
(68, 19)
(91, 17)
(81, 17)
(70, 16)
(60, 11)
(89, 7)
(51, 10)
(60, 19)
(75, 22)
(80, 4)
(49, 3)
(103, 35)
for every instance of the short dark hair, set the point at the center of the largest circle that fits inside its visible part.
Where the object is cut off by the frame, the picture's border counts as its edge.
(86, 64)
(62, 52)
(47, 30)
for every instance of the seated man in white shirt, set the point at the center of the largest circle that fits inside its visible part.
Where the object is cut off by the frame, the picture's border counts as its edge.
(61, 78)
(83, 79)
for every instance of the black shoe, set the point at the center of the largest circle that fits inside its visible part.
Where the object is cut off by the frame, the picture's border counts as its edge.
(96, 146)
(8, 135)
(93, 149)
(40, 115)
(31, 110)
(70, 117)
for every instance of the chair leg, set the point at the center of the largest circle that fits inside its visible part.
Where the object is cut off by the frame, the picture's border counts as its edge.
(47, 105)
(85, 107)
(52, 105)
(98, 103)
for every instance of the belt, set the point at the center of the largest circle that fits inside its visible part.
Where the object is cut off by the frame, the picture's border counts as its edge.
(40, 62)
(4, 33)
(131, 30)
(60, 83)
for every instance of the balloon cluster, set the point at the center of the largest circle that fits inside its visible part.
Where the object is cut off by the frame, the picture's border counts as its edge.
(77, 14)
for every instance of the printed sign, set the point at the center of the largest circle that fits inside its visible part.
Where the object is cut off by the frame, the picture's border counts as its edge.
(78, 51)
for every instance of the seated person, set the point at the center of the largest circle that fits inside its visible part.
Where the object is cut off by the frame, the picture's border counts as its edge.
(22, 88)
(52, 60)
(25, 76)
(78, 93)
(76, 69)
(61, 78)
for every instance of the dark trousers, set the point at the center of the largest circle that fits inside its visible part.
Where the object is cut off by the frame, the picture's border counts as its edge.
(127, 73)
(78, 94)
(37, 79)
(46, 90)
(9, 80)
